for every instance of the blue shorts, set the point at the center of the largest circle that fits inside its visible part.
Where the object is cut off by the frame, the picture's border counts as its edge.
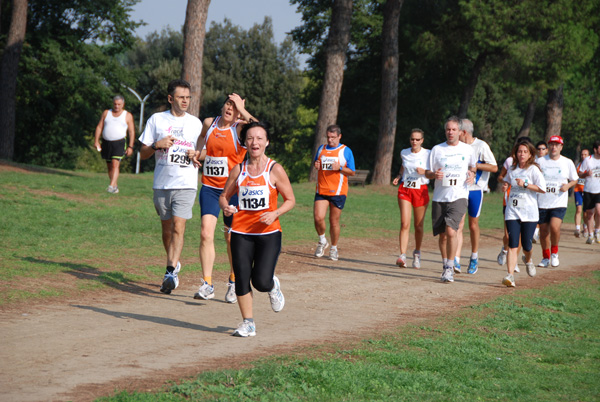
(209, 203)
(520, 230)
(547, 214)
(578, 197)
(475, 202)
(337, 200)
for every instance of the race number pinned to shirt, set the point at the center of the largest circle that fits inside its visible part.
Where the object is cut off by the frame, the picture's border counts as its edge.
(253, 198)
(517, 197)
(216, 166)
(327, 162)
(452, 179)
(552, 187)
(177, 155)
(412, 181)
(596, 173)
(454, 174)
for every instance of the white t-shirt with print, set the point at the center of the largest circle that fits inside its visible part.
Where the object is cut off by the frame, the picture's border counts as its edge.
(173, 169)
(592, 183)
(522, 202)
(483, 154)
(410, 162)
(556, 173)
(455, 161)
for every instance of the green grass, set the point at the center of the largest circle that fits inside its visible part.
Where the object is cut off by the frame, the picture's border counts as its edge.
(58, 222)
(536, 345)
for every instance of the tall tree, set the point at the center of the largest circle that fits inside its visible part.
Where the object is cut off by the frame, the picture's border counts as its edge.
(193, 49)
(8, 77)
(554, 112)
(335, 58)
(528, 119)
(389, 93)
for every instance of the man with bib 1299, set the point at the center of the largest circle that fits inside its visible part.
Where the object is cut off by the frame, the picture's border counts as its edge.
(452, 164)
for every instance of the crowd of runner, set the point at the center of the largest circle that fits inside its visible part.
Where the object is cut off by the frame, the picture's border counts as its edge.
(239, 179)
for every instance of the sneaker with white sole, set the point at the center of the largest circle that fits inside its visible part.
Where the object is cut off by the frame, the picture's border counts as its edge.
(456, 266)
(333, 254)
(509, 281)
(170, 280)
(447, 275)
(597, 237)
(276, 297)
(320, 252)
(205, 292)
(401, 261)
(473, 266)
(502, 257)
(245, 329)
(517, 270)
(544, 263)
(577, 233)
(416, 260)
(530, 269)
(589, 240)
(230, 296)
(554, 260)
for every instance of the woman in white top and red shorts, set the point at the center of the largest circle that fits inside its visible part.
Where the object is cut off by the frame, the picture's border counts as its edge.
(413, 192)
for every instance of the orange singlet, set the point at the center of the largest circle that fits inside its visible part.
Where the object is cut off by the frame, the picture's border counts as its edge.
(256, 196)
(331, 182)
(580, 182)
(223, 152)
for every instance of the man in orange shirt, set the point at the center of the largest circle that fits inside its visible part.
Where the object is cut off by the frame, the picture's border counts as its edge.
(334, 162)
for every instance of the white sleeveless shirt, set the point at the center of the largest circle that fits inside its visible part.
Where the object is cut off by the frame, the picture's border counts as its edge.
(115, 128)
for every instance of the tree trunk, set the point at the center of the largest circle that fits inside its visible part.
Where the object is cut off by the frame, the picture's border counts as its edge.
(9, 68)
(554, 112)
(335, 58)
(528, 119)
(469, 90)
(388, 111)
(194, 31)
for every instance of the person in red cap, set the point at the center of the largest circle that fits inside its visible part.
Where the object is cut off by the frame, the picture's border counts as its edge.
(590, 171)
(560, 175)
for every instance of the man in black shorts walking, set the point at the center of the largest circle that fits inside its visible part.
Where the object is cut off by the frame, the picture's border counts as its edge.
(115, 124)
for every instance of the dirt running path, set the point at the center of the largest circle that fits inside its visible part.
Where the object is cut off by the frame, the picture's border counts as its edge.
(87, 348)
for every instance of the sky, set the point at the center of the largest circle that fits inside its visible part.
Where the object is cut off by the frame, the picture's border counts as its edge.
(244, 13)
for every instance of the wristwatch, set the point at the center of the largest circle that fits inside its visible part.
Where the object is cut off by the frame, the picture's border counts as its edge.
(341, 168)
(153, 146)
(525, 184)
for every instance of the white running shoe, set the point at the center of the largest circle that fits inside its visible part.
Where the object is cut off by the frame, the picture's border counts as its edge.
(517, 270)
(544, 263)
(447, 275)
(590, 239)
(245, 329)
(170, 280)
(333, 254)
(577, 233)
(597, 237)
(230, 296)
(320, 252)
(530, 268)
(416, 260)
(276, 297)
(401, 261)
(554, 260)
(205, 292)
(502, 257)
(113, 190)
(509, 281)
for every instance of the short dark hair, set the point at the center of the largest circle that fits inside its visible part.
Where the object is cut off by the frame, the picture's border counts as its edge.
(177, 83)
(596, 144)
(541, 143)
(264, 125)
(334, 128)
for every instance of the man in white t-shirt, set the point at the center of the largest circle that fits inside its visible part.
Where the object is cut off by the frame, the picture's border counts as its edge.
(168, 136)
(560, 175)
(452, 164)
(486, 164)
(115, 124)
(590, 171)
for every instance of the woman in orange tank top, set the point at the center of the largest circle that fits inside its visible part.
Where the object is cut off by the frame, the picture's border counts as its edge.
(256, 233)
